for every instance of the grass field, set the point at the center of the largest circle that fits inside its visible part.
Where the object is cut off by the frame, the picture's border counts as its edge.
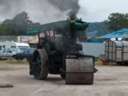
(13, 61)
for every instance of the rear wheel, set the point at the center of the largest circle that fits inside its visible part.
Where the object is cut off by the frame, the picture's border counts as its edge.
(40, 60)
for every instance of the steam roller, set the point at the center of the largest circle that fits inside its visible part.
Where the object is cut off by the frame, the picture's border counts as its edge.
(59, 51)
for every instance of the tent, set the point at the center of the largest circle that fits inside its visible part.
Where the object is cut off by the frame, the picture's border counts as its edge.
(123, 33)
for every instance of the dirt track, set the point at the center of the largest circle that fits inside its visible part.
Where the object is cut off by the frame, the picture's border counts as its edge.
(109, 81)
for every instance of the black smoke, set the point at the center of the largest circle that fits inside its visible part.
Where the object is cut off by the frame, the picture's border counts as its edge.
(66, 5)
(39, 10)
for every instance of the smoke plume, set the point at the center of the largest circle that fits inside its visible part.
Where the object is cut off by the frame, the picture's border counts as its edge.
(70, 6)
(42, 11)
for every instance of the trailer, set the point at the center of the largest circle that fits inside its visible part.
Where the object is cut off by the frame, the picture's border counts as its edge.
(116, 51)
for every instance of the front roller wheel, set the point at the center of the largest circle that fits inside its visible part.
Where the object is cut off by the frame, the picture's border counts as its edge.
(40, 60)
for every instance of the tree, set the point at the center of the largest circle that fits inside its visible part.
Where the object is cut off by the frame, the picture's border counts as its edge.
(17, 26)
(117, 21)
(20, 23)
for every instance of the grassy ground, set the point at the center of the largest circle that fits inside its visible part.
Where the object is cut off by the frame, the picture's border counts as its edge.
(13, 61)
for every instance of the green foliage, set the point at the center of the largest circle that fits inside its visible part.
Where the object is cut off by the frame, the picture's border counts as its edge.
(17, 26)
(4, 30)
(117, 21)
(21, 25)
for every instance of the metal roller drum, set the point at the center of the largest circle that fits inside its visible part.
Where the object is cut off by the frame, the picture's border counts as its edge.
(80, 71)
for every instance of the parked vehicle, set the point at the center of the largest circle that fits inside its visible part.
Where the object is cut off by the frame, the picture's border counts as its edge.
(10, 48)
(12, 45)
(7, 53)
(116, 51)
(26, 53)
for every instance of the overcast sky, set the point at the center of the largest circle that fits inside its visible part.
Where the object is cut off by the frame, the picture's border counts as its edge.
(41, 10)
(98, 10)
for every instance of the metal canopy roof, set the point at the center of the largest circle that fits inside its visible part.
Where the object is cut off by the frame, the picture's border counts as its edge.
(123, 33)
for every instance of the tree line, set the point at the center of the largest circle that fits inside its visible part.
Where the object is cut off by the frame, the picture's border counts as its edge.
(17, 26)
(20, 24)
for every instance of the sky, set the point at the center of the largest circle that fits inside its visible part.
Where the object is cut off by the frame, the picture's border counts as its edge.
(99, 10)
(38, 10)
(43, 11)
